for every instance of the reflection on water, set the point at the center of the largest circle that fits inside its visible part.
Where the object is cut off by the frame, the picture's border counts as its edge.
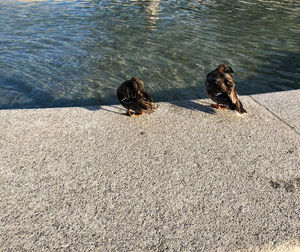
(66, 53)
(150, 11)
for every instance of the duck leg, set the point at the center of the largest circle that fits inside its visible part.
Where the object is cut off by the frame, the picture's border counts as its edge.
(217, 106)
(129, 113)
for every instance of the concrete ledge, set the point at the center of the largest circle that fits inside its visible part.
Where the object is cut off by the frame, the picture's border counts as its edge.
(185, 178)
(284, 105)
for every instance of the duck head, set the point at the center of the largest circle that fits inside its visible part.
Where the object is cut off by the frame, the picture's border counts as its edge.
(137, 84)
(225, 69)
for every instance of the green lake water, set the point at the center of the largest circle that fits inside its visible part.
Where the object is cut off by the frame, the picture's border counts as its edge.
(76, 53)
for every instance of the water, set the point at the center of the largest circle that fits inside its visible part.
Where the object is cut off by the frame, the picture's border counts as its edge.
(75, 53)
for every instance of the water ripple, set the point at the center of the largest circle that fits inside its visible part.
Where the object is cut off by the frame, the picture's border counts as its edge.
(67, 53)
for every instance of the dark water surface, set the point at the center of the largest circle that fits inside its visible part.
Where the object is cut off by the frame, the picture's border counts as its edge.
(69, 53)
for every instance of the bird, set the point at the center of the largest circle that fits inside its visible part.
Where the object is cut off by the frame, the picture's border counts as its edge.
(220, 87)
(133, 96)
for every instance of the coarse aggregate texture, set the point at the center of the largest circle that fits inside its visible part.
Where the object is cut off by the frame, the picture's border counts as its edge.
(284, 105)
(185, 178)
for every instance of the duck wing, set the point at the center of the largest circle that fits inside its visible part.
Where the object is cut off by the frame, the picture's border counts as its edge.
(215, 84)
(126, 94)
(141, 105)
(147, 103)
(223, 98)
(146, 96)
(230, 97)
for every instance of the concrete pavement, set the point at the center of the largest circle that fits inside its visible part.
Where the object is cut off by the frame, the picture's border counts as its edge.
(185, 178)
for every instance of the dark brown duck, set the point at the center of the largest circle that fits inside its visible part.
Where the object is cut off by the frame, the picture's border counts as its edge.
(133, 96)
(220, 87)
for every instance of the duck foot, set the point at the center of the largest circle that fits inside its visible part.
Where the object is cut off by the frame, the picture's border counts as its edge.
(129, 113)
(138, 114)
(218, 106)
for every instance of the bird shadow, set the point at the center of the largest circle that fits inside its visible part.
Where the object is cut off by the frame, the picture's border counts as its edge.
(111, 108)
(192, 105)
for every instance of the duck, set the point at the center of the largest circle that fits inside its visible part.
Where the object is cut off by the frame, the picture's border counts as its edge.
(133, 96)
(220, 87)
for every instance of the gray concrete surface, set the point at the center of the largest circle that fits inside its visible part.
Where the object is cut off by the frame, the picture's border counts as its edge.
(285, 106)
(185, 178)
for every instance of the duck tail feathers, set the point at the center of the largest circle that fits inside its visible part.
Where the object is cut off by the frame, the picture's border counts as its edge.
(155, 106)
(240, 108)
